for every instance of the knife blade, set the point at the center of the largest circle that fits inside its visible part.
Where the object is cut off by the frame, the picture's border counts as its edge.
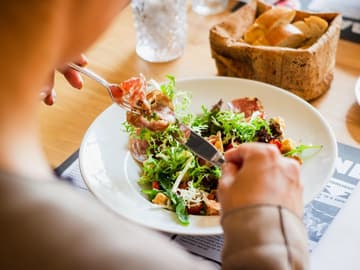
(201, 147)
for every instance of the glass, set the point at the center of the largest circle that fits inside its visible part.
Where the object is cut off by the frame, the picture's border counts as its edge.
(160, 29)
(209, 7)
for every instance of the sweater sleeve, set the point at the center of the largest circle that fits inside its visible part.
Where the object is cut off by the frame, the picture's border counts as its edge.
(264, 237)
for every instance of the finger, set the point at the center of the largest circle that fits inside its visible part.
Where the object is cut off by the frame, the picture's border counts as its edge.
(229, 170)
(50, 98)
(238, 154)
(81, 60)
(74, 78)
(293, 165)
(245, 151)
(43, 95)
(291, 169)
(47, 92)
(235, 155)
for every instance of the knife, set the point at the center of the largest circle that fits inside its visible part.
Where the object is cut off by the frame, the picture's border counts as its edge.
(201, 147)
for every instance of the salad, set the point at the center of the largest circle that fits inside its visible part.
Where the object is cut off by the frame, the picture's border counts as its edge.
(172, 176)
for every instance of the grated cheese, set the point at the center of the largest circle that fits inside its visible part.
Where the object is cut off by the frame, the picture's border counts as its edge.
(191, 195)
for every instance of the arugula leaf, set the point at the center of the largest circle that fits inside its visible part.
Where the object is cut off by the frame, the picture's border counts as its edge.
(181, 212)
(177, 204)
(169, 88)
(199, 173)
(151, 193)
(302, 149)
(166, 182)
(200, 123)
(182, 102)
(233, 126)
(129, 129)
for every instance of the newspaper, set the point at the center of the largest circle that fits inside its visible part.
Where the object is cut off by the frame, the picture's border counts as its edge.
(318, 214)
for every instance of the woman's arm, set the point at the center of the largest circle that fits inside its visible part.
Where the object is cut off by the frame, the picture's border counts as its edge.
(264, 237)
(261, 196)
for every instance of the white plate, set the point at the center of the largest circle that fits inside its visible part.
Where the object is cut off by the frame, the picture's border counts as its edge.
(111, 174)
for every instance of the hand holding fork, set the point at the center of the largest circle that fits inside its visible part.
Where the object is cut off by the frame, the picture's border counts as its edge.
(197, 144)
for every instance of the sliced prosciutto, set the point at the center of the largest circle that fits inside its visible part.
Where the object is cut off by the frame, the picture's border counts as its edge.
(157, 110)
(247, 106)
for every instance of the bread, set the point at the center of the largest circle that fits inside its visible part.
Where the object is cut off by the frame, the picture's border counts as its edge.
(305, 71)
(312, 27)
(274, 17)
(267, 21)
(303, 27)
(286, 35)
(317, 25)
(273, 28)
(254, 34)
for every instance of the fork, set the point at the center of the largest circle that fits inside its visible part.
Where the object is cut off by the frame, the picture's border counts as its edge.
(108, 86)
(196, 143)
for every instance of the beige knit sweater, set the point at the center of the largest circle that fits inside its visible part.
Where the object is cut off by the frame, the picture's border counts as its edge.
(47, 225)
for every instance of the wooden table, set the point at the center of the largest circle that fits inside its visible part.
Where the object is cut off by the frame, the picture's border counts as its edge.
(113, 56)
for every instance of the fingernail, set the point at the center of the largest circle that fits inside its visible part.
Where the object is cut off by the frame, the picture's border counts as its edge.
(42, 95)
(53, 96)
(81, 82)
(85, 60)
(49, 100)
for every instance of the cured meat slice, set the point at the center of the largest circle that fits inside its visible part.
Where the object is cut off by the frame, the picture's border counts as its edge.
(246, 105)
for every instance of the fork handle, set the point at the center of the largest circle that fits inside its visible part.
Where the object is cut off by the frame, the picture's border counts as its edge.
(108, 86)
(90, 74)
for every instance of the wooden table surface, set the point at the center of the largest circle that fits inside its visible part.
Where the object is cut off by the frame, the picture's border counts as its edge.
(113, 56)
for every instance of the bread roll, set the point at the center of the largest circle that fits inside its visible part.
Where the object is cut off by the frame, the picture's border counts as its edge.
(254, 33)
(262, 41)
(267, 21)
(274, 17)
(286, 35)
(312, 27)
(303, 27)
(317, 25)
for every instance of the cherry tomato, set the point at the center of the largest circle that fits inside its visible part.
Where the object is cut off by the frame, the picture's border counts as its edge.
(276, 142)
(195, 209)
(155, 184)
(229, 146)
(183, 185)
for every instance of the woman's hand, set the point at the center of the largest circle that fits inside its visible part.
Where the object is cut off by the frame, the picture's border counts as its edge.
(256, 173)
(48, 94)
